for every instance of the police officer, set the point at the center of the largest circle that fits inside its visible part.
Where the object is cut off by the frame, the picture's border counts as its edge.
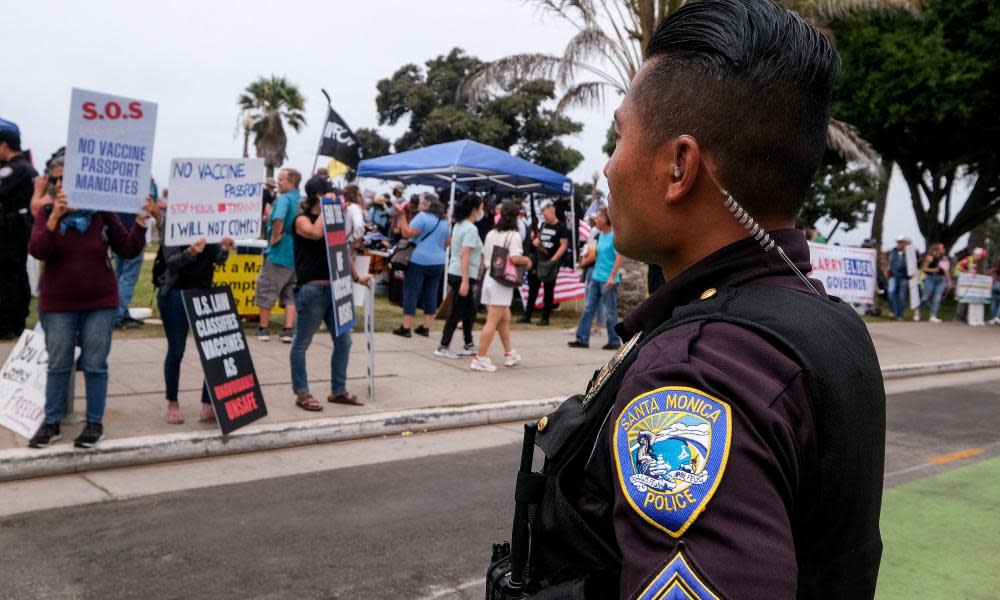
(734, 447)
(16, 187)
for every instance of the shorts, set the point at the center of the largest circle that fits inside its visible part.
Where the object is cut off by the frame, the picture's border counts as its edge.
(275, 283)
(495, 294)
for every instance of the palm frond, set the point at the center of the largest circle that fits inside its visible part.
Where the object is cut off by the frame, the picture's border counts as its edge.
(588, 94)
(845, 141)
(589, 43)
(825, 11)
(518, 67)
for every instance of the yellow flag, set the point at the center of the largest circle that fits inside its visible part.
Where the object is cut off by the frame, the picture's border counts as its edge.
(335, 169)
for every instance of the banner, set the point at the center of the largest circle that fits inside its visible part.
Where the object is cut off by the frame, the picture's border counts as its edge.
(239, 274)
(338, 258)
(213, 198)
(225, 359)
(848, 273)
(974, 289)
(109, 152)
(339, 141)
(22, 385)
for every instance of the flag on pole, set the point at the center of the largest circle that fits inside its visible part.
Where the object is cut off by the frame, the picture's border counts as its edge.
(339, 142)
(568, 288)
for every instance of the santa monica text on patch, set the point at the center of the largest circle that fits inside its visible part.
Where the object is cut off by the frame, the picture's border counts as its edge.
(671, 448)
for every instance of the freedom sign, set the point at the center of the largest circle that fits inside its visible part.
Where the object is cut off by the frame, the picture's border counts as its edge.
(338, 258)
(109, 151)
(22, 385)
(213, 198)
(848, 273)
(229, 374)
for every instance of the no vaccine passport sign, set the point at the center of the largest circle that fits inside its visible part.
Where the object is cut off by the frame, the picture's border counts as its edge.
(229, 373)
(109, 151)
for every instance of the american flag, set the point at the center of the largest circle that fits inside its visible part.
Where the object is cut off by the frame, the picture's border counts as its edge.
(583, 231)
(568, 287)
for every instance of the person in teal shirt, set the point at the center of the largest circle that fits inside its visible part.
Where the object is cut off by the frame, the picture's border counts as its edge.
(603, 286)
(463, 272)
(276, 282)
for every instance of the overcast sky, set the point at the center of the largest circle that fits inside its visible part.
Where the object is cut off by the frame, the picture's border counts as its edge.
(194, 58)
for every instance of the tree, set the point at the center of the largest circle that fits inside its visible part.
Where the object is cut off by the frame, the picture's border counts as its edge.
(510, 118)
(270, 103)
(839, 192)
(925, 93)
(372, 142)
(610, 40)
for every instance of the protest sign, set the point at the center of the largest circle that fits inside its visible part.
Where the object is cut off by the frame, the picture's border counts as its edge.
(974, 289)
(225, 359)
(213, 198)
(239, 274)
(338, 258)
(22, 385)
(109, 152)
(848, 273)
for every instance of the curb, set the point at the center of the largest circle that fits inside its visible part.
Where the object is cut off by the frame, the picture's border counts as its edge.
(25, 463)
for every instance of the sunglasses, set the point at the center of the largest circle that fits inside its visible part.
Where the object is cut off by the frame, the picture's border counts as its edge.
(54, 180)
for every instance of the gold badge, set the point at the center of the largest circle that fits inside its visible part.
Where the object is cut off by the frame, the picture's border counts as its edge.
(708, 293)
(609, 369)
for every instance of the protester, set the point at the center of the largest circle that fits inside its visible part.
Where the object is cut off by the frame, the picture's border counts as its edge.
(994, 271)
(314, 300)
(187, 268)
(937, 279)
(127, 272)
(276, 282)
(899, 278)
(78, 304)
(354, 217)
(603, 287)
(497, 297)
(973, 264)
(16, 175)
(463, 274)
(587, 258)
(550, 241)
(267, 201)
(380, 214)
(484, 224)
(429, 231)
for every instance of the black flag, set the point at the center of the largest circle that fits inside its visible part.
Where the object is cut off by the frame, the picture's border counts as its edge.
(339, 141)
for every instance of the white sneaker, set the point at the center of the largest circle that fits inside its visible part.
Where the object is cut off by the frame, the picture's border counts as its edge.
(482, 364)
(934, 320)
(995, 321)
(916, 316)
(512, 359)
(468, 349)
(445, 352)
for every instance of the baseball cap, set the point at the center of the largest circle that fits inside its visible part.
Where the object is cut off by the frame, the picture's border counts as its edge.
(10, 133)
(317, 186)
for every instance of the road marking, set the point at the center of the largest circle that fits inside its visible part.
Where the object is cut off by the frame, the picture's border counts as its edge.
(943, 459)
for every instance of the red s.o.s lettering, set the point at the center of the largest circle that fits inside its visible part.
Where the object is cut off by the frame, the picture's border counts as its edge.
(135, 110)
(89, 112)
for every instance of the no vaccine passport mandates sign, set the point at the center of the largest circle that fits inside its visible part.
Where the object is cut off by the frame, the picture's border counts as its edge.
(229, 373)
(109, 151)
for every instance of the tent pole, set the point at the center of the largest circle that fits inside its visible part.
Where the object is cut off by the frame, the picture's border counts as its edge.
(447, 249)
(574, 229)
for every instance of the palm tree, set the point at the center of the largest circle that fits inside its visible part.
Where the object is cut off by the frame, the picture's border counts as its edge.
(607, 51)
(267, 105)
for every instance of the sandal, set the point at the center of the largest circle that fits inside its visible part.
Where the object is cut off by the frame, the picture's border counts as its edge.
(308, 402)
(174, 416)
(345, 398)
(207, 414)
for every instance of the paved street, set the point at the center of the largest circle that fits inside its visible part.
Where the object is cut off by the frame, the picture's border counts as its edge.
(413, 517)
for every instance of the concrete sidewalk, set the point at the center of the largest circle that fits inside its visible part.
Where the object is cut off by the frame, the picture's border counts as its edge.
(414, 391)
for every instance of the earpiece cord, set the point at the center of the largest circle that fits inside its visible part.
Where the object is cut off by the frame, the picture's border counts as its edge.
(758, 232)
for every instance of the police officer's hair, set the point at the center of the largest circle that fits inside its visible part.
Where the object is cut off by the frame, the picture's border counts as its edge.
(752, 82)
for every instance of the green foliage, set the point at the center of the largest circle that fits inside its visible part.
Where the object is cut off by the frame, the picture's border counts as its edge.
(925, 93)
(271, 102)
(372, 142)
(841, 193)
(610, 140)
(513, 117)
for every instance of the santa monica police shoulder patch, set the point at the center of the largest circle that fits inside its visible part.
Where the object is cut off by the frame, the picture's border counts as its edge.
(671, 447)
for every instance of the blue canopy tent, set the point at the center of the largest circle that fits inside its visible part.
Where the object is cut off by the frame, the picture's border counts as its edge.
(471, 165)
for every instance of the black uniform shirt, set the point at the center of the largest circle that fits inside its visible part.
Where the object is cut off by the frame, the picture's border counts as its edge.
(16, 184)
(736, 516)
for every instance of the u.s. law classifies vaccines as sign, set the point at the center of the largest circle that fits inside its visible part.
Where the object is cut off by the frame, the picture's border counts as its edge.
(109, 151)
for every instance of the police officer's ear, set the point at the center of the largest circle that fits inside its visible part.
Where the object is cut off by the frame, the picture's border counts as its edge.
(684, 168)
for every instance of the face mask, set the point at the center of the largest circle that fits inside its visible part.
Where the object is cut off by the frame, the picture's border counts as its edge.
(480, 216)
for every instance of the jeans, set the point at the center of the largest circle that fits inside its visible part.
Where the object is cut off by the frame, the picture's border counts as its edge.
(548, 297)
(463, 308)
(314, 303)
(175, 326)
(933, 290)
(127, 270)
(898, 287)
(598, 294)
(421, 285)
(91, 330)
(602, 314)
(995, 300)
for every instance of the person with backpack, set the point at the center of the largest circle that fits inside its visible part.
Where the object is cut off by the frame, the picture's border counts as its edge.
(502, 254)
(429, 230)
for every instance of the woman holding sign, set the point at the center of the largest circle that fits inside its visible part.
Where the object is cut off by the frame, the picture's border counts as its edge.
(78, 303)
(314, 302)
(188, 268)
